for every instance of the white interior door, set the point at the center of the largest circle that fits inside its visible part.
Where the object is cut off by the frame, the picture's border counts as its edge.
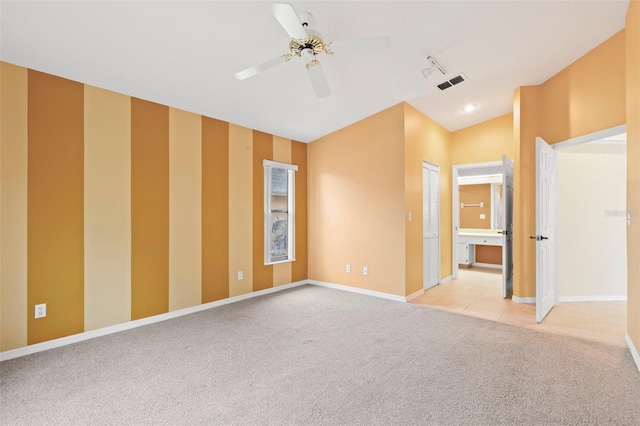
(430, 224)
(546, 176)
(507, 230)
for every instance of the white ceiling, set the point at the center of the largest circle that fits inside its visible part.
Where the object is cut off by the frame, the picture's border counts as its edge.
(184, 54)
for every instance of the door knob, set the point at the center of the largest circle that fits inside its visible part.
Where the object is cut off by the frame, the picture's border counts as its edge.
(538, 237)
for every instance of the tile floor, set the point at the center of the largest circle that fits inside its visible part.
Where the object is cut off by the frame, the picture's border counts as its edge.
(478, 292)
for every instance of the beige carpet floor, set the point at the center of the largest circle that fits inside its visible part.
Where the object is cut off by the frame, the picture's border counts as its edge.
(313, 355)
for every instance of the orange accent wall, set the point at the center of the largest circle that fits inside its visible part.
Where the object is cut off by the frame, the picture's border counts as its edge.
(484, 142)
(299, 157)
(425, 140)
(587, 96)
(55, 212)
(489, 254)
(262, 150)
(60, 165)
(215, 210)
(356, 204)
(633, 169)
(149, 209)
(526, 129)
(470, 216)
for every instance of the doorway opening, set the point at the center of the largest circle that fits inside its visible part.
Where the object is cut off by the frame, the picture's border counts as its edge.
(586, 242)
(483, 219)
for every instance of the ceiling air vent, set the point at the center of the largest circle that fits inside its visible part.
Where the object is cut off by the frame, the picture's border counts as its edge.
(452, 82)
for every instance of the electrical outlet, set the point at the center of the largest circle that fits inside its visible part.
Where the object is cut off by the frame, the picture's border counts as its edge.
(482, 216)
(348, 268)
(365, 271)
(240, 275)
(41, 310)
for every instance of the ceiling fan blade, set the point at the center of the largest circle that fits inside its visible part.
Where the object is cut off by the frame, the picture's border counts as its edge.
(251, 71)
(287, 17)
(361, 45)
(319, 81)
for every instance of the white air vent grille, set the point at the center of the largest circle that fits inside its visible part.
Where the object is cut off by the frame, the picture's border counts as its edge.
(452, 82)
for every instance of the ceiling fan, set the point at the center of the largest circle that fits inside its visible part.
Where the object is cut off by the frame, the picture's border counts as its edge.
(308, 44)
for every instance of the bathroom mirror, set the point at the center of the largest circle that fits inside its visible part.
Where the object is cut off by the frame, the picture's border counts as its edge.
(480, 202)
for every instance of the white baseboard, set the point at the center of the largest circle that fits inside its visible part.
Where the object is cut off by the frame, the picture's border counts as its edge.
(569, 299)
(446, 279)
(414, 295)
(358, 290)
(487, 265)
(68, 340)
(517, 299)
(633, 350)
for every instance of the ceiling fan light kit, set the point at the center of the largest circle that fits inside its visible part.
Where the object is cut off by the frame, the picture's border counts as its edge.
(308, 44)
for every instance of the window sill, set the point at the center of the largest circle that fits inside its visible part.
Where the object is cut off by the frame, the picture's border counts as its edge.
(280, 261)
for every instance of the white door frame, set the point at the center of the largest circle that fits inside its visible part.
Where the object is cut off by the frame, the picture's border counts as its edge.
(436, 168)
(602, 134)
(455, 224)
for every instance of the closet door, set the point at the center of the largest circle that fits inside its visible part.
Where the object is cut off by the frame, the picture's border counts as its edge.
(431, 224)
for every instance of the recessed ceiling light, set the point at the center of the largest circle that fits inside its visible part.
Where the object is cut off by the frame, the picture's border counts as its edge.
(470, 107)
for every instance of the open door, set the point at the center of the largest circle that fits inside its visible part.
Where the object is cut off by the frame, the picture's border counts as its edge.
(546, 176)
(507, 230)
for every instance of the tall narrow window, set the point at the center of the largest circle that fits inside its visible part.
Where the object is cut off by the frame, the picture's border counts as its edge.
(279, 214)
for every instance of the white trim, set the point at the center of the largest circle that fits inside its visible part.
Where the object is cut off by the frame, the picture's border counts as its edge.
(571, 299)
(414, 295)
(590, 137)
(517, 299)
(435, 168)
(446, 279)
(358, 290)
(279, 165)
(480, 165)
(68, 340)
(633, 350)
(487, 265)
(474, 180)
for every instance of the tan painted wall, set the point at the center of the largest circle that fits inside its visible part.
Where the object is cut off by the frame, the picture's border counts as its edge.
(107, 208)
(591, 184)
(633, 169)
(96, 234)
(484, 142)
(356, 204)
(425, 140)
(13, 206)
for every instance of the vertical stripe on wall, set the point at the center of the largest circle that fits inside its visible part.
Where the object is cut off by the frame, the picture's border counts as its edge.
(282, 154)
(185, 209)
(215, 210)
(55, 210)
(149, 209)
(13, 207)
(240, 209)
(107, 208)
(299, 157)
(262, 150)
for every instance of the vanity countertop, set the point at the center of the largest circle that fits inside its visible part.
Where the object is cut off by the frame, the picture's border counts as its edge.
(490, 237)
(480, 232)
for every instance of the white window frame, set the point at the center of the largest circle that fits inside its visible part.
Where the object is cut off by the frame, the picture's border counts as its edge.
(268, 165)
